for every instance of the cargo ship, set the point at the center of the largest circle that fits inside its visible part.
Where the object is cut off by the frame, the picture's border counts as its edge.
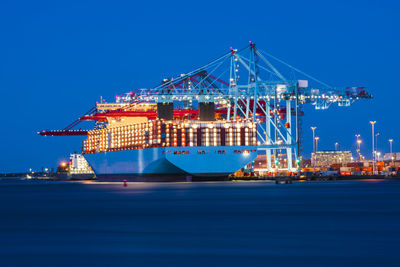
(204, 124)
(168, 148)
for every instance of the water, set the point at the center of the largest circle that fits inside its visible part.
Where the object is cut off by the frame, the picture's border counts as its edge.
(341, 223)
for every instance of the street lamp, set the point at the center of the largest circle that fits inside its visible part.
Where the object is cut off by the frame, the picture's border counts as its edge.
(336, 146)
(373, 146)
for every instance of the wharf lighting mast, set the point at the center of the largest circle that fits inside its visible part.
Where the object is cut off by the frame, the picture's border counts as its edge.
(373, 146)
(390, 142)
(358, 143)
(316, 143)
(391, 151)
(313, 155)
(313, 138)
(242, 85)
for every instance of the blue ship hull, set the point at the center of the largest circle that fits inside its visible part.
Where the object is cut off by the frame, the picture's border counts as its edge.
(166, 163)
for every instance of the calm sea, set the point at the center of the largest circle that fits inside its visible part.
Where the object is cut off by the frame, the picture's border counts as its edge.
(339, 223)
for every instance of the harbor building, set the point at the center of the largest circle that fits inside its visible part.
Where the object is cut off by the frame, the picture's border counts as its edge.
(330, 157)
(391, 156)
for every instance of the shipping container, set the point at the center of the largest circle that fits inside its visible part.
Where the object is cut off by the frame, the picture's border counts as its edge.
(380, 163)
(345, 169)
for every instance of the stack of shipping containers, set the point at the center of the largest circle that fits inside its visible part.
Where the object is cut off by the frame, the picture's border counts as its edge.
(160, 133)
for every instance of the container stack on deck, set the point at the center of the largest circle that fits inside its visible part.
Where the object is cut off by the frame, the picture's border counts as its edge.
(160, 133)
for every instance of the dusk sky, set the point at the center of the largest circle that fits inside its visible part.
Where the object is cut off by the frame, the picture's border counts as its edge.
(58, 57)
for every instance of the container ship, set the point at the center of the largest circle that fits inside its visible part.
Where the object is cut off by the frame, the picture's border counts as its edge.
(167, 148)
(207, 123)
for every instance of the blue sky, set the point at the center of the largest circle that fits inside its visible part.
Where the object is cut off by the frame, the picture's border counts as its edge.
(58, 57)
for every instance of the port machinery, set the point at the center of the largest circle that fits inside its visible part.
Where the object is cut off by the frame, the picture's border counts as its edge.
(248, 84)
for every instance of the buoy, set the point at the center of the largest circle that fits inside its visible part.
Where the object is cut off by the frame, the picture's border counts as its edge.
(125, 183)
